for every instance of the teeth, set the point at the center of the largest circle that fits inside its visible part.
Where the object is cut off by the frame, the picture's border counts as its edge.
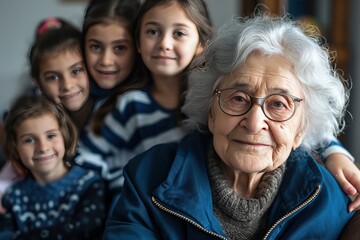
(50, 156)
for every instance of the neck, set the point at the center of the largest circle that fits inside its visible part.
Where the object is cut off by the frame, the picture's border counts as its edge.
(80, 116)
(166, 91)
(52, 176)
(244, 184)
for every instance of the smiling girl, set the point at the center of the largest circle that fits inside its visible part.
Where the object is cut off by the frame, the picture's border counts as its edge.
(55, 199)
(168, 35)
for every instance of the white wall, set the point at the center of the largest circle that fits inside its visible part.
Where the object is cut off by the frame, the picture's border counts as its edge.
(18, 19)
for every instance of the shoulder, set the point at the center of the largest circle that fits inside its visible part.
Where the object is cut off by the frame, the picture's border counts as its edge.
(16, 190)
(157, 162)
(82, 178)
(78, 171)
(303, 172)
(153, 161)
(133, 96)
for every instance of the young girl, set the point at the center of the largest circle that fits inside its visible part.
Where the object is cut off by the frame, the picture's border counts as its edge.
(108, 44)
(55, 200)
(59, 72)
(168, 35)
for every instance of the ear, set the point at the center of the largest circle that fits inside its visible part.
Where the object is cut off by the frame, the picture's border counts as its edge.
(38, 86)
(211, 120)
(138, 48)
(199, 49)
(36, 83)
(298, 139)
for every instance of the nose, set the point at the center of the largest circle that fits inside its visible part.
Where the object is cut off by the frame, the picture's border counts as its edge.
(255, 120)
(107, 58)
(67, 82)
(166, 42)
(42, 145)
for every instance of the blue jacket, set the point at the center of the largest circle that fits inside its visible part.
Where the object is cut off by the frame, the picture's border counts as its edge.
(167, 195)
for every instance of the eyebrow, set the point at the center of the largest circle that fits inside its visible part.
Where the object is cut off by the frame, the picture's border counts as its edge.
(46, 132)
(159, 25)
(81, 62)
(250, 89)
(117, 41)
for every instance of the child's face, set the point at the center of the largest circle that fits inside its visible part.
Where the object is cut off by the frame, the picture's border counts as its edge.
(168, 40)
(63, 79)
(40, 145)
(110, 53)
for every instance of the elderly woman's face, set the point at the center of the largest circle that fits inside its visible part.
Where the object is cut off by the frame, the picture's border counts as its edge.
(252, 142)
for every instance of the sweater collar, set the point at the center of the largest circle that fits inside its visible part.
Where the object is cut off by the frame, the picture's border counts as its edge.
(187, 188)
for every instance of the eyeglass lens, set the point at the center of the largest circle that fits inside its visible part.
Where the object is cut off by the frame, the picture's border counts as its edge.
(278, 107)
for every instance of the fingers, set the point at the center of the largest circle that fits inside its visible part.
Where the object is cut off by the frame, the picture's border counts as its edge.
(355, 205)
(354, 180)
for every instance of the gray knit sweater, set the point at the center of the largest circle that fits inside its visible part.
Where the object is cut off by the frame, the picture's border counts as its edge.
(241, 218)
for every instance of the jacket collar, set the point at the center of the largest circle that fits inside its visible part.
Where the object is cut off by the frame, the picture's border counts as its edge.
(187, 184)
(187, 189)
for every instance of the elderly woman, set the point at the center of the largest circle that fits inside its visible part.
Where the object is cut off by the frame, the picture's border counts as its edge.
(265, 97)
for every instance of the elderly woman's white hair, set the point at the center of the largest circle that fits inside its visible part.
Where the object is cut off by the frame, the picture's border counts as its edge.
(325, 93)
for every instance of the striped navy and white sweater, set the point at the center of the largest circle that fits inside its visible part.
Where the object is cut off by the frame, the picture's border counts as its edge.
(136, 124)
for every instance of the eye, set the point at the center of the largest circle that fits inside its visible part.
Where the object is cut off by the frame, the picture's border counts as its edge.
(95, 48)
(279, 104)
(153, 32)
(52, 77)
(77, 71)
(238, 97)
(235, 100)
(51, 136)
(179, 34)
(29, 140)
(120, 48)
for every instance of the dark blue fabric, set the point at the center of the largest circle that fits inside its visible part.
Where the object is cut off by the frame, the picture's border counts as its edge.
(37, 206)
(176, 177)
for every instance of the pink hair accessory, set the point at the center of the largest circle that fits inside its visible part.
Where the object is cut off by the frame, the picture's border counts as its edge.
(50, 23)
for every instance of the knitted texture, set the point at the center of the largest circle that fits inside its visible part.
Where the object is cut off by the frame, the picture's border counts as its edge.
(240, 217)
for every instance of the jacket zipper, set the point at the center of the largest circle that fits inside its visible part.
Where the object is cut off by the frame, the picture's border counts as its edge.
(162, 207)
(312, 197)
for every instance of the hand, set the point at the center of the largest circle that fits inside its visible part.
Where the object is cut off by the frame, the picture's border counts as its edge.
(347, 174)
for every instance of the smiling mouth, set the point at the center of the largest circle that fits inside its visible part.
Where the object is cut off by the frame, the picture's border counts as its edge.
(164, 58)
(252, 143)
(44, 158)
(107, 72)
(69, 96)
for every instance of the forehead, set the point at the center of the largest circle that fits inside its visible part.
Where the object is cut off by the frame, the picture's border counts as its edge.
(60, 59)
(114, 31)
(263, 74)
(40, 123)
(168, 15)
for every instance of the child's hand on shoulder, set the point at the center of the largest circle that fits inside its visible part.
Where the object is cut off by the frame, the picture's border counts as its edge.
(347, 174)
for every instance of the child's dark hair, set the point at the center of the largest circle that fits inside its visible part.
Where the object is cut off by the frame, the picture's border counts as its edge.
(56, 40)
(26, 107)
(106, 12)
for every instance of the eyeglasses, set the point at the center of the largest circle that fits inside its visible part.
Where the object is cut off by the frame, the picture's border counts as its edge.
(278, 107)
